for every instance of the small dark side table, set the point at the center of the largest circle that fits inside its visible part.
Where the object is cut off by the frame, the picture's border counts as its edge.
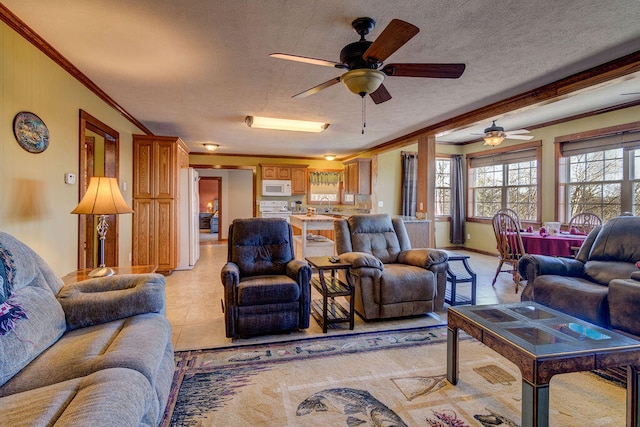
(328, 311)
(453, 278)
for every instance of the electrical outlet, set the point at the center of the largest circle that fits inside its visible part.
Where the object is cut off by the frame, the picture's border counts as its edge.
(468, 236)
(421, 207)
(380, 204)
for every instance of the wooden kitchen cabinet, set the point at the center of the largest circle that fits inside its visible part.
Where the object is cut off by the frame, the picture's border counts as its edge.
(297, 174)
(299, 180)
(276, 172)
(357, 176)
(157, 161)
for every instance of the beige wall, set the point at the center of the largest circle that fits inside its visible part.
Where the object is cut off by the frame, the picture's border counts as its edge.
(35, 200)
(236, 197)
(482, 237)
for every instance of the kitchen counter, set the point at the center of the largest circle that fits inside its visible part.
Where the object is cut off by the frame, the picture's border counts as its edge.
(318, 246)
(408, 219)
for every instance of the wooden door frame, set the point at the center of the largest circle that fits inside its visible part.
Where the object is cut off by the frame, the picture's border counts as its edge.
(112, 168)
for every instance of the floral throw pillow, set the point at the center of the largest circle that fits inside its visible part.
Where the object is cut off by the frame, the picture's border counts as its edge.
(9, 312)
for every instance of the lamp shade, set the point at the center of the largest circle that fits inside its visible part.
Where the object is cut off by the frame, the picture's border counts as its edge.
(494, 138)
(103, 197)
(362, 81)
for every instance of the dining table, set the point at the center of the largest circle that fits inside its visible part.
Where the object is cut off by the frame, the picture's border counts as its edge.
(558, 244)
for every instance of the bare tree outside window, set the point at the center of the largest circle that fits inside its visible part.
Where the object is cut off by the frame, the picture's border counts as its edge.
(595, 183)
(511, 186)
(443, 187)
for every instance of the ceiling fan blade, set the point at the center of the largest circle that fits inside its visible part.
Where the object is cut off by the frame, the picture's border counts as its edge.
(517, 132)
(436, 71)
(380, 95)
(522, 137)
(307, 60)
(392, 38)
(317, 89)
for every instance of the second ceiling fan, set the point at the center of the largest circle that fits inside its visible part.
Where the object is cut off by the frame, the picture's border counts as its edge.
(364, 59)
(494, 134)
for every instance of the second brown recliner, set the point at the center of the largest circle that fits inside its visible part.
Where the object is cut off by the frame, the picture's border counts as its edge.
(391, 279)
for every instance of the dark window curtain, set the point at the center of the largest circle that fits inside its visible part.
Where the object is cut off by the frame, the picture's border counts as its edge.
(409, 183)
(456, 230)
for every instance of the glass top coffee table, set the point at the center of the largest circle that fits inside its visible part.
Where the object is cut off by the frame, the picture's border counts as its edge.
(543, 342)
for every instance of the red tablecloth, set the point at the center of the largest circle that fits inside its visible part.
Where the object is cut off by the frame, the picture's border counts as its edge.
(557, 245)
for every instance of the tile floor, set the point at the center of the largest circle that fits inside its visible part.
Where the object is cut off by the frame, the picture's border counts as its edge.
(195, 312)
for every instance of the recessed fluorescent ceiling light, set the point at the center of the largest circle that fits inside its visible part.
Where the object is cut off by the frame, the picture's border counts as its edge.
(285, 124)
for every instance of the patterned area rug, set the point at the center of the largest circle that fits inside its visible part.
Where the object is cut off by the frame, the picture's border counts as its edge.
(393, 378)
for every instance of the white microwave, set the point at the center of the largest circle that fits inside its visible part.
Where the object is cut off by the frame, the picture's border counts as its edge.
(276, 187)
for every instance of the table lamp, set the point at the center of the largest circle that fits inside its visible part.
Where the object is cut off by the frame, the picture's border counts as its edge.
(102, 198)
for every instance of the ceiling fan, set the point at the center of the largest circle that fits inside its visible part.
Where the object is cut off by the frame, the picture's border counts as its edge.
(364, 59)
(494, 135)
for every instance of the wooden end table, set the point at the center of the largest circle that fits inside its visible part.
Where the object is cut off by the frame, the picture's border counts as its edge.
(80, 275)
(328, 311)
(543, 342)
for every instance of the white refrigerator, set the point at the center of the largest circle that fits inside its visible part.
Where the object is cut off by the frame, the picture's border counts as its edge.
(189, 219)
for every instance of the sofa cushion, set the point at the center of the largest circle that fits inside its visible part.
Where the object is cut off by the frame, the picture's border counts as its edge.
(112, 397)
(603, 272)
(617, 241)
(260, 290)
(30, 286)
(575, 296)
(401, 283)
(137, 343)
(375, 235)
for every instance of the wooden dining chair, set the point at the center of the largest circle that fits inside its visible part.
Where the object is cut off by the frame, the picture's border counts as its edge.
(509, 243)
(583, 223)
(513, 214)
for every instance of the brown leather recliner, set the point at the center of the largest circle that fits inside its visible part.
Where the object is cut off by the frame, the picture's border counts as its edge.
(596, 286)
(391, 279)
(266, 289)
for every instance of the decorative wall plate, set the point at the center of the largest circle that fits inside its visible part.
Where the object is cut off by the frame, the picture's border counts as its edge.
(31, 132)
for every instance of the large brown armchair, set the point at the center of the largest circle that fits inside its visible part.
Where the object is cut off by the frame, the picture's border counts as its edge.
(265, 289)
(390, 279)
(601, 285)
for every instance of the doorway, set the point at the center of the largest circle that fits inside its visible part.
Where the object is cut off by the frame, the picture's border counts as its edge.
(210, 192)
(99, 156)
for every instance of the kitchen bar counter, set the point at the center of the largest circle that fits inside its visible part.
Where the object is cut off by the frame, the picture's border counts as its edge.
(318, 246)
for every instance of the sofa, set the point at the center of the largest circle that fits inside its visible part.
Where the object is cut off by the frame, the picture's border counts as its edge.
(93, 353)
(391, 279)
(601, 285)
(266, 290)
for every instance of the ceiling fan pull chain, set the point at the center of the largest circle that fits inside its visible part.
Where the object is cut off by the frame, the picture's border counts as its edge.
(364, 115)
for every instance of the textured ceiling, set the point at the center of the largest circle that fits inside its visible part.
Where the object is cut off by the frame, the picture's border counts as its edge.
(196, 68)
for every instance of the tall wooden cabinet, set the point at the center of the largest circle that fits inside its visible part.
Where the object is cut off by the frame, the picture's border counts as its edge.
(357, 176)
(156, 170)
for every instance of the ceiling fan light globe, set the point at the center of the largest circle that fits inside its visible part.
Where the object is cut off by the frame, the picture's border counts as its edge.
(494, 138)
(362, 81)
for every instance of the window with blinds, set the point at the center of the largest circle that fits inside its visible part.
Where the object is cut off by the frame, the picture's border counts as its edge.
(600, 175)
(505, 179)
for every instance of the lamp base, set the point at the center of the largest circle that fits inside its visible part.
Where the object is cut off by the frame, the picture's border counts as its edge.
(102, 272)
